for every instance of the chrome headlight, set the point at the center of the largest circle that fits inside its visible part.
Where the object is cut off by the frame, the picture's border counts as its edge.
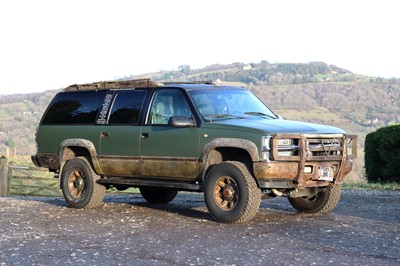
(286, 147)
(285, 142)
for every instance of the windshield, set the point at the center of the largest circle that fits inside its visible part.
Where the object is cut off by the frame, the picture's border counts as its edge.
(225, 103)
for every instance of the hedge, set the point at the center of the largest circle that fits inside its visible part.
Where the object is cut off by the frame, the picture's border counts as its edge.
(382, 155)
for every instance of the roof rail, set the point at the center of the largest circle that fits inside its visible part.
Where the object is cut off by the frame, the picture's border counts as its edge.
(120, 84)
(209, 82)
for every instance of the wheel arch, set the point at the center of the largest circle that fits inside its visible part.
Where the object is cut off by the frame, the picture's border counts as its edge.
(229, 149)
(71, 148)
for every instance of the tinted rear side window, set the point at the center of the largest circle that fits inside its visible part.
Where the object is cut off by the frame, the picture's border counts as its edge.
(127, 107)
(74, 108)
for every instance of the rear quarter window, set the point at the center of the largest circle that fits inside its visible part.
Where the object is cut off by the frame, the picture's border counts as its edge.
(126, 107)
(74, 108)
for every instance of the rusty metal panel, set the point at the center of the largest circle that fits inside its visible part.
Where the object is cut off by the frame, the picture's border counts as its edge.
(320, 152)
(314, 147)
(275, 170)
(170, 167)
(120, 165)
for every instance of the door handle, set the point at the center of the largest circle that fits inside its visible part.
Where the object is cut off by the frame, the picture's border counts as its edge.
(145, 135)
(104, 134)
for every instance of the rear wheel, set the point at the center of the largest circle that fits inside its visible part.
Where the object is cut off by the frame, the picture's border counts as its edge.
(79, 186)
(158, 195)
(323, 202)
(231, 193)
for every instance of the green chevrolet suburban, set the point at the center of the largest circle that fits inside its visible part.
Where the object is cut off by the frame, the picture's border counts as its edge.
(189, 136)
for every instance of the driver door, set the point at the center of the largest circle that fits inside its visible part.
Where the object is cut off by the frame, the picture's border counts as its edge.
(165, 150)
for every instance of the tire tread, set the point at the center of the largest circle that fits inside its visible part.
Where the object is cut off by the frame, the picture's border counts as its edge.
(253, 196)
(329, 202)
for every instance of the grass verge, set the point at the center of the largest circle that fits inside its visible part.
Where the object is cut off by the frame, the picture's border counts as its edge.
(373, 186)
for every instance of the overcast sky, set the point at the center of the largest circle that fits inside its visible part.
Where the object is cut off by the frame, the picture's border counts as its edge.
(47, 45)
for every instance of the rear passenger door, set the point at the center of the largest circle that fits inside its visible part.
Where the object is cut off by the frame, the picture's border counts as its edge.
(169, 151)
(119, 138)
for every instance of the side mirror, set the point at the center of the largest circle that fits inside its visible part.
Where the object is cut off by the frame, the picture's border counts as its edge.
(180, 121)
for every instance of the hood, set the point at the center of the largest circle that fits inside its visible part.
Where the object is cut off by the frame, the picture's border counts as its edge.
(276, 126)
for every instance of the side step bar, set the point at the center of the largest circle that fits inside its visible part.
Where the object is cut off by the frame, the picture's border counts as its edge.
(151, 183)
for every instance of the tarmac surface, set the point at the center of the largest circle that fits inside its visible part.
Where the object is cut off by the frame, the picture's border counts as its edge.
(364, 229)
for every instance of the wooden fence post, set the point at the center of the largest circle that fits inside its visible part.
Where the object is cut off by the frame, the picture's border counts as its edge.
(4, 179)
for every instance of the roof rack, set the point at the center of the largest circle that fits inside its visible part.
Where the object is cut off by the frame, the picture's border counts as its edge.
(209, 82)
(121, 84)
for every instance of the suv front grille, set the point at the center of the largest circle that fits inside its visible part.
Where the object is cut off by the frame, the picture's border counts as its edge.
(313, 147)
(325, 147)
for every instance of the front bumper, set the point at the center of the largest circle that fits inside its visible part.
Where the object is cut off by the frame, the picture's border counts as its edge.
(316, 162)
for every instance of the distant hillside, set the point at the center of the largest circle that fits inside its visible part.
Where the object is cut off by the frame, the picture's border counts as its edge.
(313, 92)
(19, 117)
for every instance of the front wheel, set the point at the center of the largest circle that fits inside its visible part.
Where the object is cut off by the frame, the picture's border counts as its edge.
(231, 193)
(323, 202)
(79, 186)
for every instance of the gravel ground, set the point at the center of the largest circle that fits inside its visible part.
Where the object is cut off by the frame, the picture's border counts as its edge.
(364, 229)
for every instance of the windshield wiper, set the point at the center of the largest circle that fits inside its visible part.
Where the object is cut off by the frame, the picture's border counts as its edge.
(223, 116)
(259, 114)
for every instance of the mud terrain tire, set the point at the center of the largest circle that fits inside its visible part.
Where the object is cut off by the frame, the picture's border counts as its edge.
(323, 202)
(79, 186)
(231, 193)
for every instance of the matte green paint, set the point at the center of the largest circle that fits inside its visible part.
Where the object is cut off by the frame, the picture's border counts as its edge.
(167, 141)
(119, 140)
(274, 126)
(49, 137)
